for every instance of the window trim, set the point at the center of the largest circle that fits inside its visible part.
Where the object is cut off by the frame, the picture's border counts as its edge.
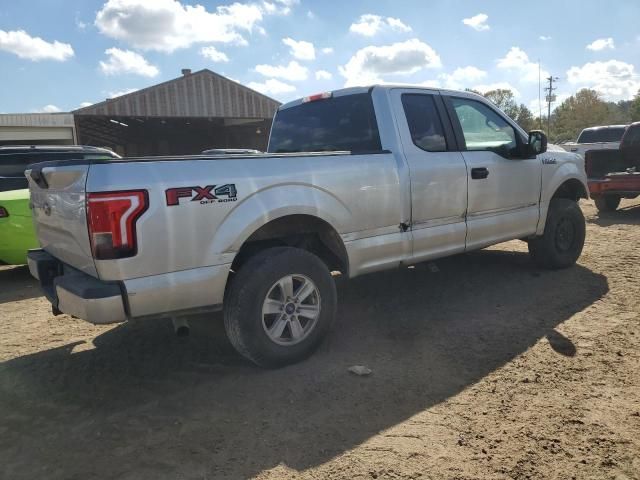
(449, 138)
(459, 134)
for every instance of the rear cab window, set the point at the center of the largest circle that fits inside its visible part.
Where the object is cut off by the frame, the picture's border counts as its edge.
(601, 135)
(343, 123)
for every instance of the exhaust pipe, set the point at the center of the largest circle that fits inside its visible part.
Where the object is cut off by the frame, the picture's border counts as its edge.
(180, 326)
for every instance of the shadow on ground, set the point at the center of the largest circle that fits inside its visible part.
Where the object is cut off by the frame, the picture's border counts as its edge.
(17, 284)
(625, 215)
(143, 404)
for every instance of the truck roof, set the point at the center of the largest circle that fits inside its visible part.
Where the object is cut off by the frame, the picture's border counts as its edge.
(387, 86)
(4, 149)
(602, 127)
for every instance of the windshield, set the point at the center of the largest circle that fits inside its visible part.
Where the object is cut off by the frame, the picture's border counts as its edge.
(598, 135)
(340, 123)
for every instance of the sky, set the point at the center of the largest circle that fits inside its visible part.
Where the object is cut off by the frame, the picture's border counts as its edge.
(59, 55)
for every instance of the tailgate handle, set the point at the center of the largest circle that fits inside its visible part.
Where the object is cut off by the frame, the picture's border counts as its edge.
(38, 177)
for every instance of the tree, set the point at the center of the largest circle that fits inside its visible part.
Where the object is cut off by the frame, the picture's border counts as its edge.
(525, 118)
(582, 110)
(505, 100)
(635, 108)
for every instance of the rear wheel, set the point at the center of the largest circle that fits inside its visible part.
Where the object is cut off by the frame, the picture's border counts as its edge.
(279, 306)
(607, 203)
(561, 244)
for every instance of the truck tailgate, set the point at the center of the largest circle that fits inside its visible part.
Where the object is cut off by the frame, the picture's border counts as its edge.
(59, 213)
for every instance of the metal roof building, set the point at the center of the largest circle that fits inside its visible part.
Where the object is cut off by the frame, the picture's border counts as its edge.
(186, 115)
(37, 128)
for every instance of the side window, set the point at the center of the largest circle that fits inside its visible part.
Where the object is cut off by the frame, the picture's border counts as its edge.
(12, 165)
(424, 122)
(483, 128)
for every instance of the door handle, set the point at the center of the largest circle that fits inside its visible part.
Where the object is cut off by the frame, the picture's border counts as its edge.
(479, 173)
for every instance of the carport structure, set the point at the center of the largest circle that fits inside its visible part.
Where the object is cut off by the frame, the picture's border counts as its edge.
(182, 116)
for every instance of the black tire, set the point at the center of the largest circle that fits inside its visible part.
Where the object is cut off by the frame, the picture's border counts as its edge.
(243, 319)
(607, 203)
(561, 244)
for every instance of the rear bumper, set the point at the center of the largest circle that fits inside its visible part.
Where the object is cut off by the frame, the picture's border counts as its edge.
(76, 293)
(625, 184)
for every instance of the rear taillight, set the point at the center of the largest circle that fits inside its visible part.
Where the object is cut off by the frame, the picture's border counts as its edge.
(3, 212)
(587, 164)
(112, 217)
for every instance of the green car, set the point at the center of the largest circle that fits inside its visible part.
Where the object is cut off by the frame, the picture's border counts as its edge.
(16, 227)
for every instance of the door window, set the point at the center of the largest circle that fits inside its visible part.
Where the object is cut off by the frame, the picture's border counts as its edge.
(424, 122)
(483, 128)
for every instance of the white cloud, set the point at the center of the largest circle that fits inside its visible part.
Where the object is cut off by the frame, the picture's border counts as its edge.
(517, 61)
(23, 45)
(279, 7)
(613, 79)
(478, 22)
(545, 38)
(213, 54)
(167, 25)
(462, 77)
(601, 44)
(125, 61)
(271, 86)
(369, 25)
(119, 93)
(431, 84)
(48, 109)
(327, 50)
(397, 24)
(370, 63)
(80, 25)
(85, 104)
(293, 71)
(323, 75)
(300, 49)
(484, 88)
(311, 15)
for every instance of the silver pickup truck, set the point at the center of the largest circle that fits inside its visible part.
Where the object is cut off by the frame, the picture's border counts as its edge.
(356, 180)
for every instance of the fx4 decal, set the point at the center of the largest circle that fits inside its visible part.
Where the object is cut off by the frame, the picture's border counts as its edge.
(204, 195)
(548, 161)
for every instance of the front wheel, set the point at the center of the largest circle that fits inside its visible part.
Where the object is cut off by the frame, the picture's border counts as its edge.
(561, 244)
(279, 306)
(607, 203)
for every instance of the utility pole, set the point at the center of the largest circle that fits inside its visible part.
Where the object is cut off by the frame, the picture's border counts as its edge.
(550, 99)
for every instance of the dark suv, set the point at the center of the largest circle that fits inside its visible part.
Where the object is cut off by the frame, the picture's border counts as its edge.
(14, 160)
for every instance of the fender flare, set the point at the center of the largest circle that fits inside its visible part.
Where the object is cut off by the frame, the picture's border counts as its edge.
(274, 202)
(566, 172)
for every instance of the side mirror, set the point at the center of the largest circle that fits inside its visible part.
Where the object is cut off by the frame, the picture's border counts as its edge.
(537, 142)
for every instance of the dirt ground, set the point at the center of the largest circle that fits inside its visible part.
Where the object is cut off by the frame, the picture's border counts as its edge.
(485, 367)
